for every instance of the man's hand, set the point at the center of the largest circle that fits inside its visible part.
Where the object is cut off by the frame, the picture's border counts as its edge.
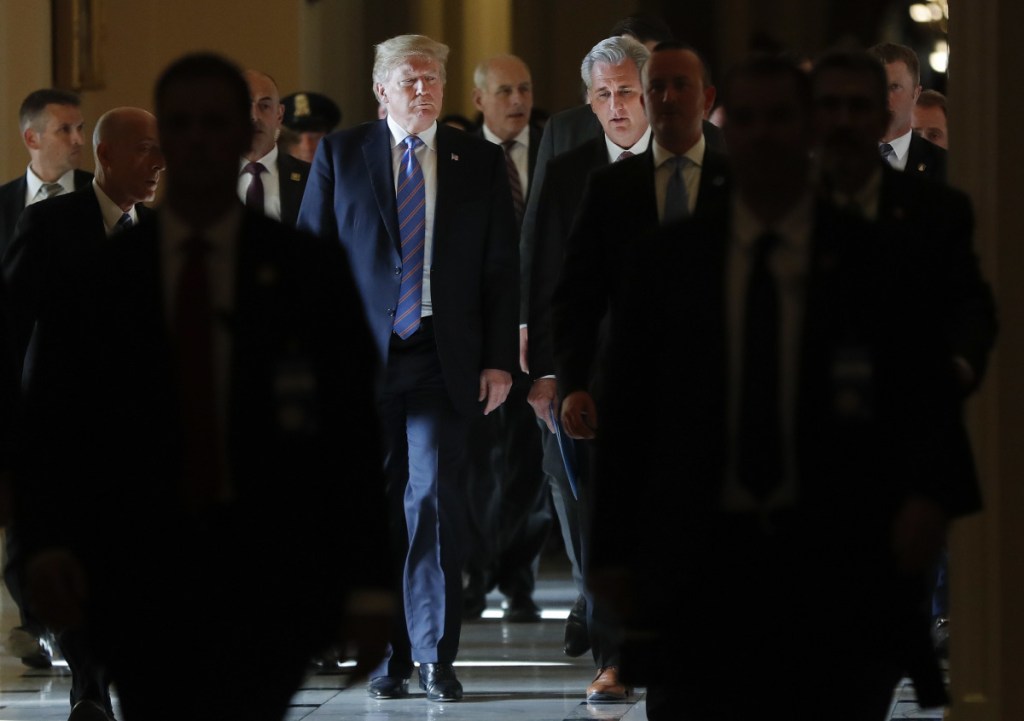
(542, 398)
(918, 534)
(56, 589)
(579, 415)
(524, 366)
(494, 387)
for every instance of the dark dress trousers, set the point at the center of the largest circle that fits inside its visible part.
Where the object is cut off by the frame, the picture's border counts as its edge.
(876, 422)
(196, 593)
(430, 381)
(12, 203)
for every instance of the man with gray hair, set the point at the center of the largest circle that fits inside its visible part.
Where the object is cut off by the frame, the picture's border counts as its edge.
(60, 235)
(426, 216)
(611, 71)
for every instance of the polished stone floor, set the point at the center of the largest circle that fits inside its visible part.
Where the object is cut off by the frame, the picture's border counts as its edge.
(510, 672)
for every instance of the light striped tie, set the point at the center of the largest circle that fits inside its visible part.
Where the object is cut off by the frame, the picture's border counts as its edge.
(412, 228)
(49, 190)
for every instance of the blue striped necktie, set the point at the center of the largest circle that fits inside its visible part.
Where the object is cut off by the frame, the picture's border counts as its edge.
(412, 228)
(677, 200)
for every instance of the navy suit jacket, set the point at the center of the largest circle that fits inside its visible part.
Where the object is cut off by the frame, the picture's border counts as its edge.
(292, 174)
(474, 284)
(926, 158)
(12, 203)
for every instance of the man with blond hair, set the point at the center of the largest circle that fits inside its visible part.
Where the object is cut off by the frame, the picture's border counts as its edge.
(425, 214)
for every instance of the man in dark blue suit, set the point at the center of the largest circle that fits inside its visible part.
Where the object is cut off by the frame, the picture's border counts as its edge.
(426, 216)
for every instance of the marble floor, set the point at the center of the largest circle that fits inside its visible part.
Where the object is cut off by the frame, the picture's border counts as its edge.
(510, 672)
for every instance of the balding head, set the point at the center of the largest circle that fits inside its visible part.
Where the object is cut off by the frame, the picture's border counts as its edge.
(267, 112)
(128, 157)
(504, 94)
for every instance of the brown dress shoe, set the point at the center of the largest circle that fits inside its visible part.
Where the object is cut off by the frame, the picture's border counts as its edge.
(607, 687)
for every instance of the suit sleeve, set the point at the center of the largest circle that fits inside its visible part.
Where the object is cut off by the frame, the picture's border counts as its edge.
(528, 241)
(545, 253)
(316, 214)
(22, 270)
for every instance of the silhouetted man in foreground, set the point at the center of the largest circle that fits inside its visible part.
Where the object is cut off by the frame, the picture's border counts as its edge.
(212, 404)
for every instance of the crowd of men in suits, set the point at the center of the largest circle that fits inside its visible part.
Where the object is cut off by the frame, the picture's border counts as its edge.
(745, 353)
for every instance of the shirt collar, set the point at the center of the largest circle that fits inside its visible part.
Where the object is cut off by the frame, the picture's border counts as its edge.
(865, 199)
(269, 161)
(792, 228)
(695, 153)
(399, 134)
(110, 210)
(523, 138)
(640, 146)
(901, 145)
(222, 234)
(67, 181)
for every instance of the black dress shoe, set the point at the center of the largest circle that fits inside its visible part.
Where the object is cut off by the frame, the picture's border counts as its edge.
(522, 610)
(577, 635)
(385, 687)
(438, 680)
(89, 711)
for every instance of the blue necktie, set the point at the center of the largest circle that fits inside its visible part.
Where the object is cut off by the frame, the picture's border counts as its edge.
(124, 222)
(412, 228)
(677, 200)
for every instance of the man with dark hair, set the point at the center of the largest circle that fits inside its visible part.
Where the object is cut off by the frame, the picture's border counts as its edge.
(901, 147)
(269, 181)
(791, 445)
(51, 127)
(220, 375)
(929, 118)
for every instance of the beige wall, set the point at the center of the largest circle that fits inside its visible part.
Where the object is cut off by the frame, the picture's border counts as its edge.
(138, 39)
(24, 66)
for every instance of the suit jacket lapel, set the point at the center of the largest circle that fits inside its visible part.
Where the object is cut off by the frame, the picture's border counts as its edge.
(712, 191)
(447, 180)
(377, 153)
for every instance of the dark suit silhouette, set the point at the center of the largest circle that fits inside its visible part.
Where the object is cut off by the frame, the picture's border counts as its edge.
(431, 381)
(292, 174)
(926, 158)
(509, 514)
(55, 239)
(300, 450)
(876, 423)
(12, 203)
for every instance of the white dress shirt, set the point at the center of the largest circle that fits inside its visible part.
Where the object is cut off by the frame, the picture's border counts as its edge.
(520, 153)
(426, 156)
(789, 264)
(34, 185)
(271, 183)
(901, 149)
(664, 168)
(110, 210)
(640, 146)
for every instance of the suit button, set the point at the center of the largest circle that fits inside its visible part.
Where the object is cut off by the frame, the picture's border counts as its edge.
(391, 312)
(398, 270)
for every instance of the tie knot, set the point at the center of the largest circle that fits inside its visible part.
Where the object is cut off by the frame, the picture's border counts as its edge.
(51, 189)
(623, 155)
(412, 142)
(765, 244)
(125, 221)
(885, 150)
(255, 168)
(508, 145)
(680, 162)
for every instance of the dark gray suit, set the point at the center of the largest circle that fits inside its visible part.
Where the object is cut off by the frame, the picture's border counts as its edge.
(12, 203)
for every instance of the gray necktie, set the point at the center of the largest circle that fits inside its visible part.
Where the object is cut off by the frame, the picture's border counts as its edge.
(887, 152)
(677, 200)
(51, 189)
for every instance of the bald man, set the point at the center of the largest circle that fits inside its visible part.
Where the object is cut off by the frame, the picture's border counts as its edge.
(55, 237)
(269, 181)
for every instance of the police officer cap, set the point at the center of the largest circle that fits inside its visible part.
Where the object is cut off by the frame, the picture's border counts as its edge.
(310, 112)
